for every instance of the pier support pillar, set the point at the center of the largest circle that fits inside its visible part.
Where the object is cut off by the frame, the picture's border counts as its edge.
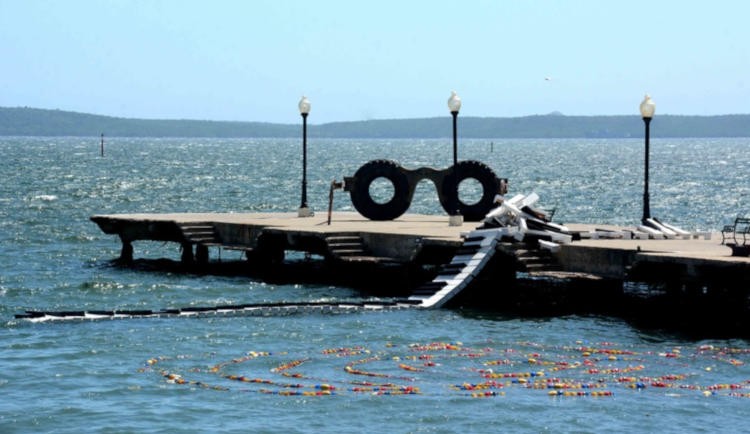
(187, 254)
(201, 254)
(126, 254)
(268, 252)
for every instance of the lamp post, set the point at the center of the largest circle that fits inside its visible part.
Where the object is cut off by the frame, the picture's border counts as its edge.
(454, 105)
(647, 112)
(304, 110)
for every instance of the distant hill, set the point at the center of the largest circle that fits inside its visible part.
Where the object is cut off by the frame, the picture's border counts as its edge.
(23, 121)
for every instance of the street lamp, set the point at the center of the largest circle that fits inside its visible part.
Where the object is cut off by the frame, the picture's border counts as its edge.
(304, 110)
(454, 105)
(647, 112)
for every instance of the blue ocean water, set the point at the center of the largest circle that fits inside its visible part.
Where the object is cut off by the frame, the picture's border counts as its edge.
(403, 371)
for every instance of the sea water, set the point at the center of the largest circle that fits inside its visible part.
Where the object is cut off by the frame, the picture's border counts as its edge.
(447, 370)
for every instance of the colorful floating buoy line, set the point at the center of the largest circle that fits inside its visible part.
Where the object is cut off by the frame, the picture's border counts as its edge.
(439, 368)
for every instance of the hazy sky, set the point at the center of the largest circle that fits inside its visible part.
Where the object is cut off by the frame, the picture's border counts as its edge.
(252, 60)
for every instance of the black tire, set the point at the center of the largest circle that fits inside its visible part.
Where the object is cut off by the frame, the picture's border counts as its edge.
(363, 201)
(475, 170)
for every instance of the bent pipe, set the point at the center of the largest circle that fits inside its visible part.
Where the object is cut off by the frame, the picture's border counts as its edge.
(405, 181)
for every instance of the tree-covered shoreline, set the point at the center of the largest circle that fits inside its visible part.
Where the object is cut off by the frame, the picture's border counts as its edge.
(24, 121)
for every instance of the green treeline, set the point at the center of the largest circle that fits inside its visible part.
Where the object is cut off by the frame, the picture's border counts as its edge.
(22, 121)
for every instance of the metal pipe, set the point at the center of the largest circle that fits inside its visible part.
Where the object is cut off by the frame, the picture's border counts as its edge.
(304, 161)
(646, 198)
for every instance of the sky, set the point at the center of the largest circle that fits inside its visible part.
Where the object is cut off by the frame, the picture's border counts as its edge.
(253, 60)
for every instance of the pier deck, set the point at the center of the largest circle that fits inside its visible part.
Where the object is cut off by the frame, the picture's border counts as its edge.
(695, 258)
(428, 226)
(401, 240)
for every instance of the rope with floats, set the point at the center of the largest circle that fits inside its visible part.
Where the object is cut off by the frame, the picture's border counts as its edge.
(441, 368)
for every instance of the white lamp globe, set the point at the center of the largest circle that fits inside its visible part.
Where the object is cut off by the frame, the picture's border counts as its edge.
(304, 106)
(454, 102)
(647, 107)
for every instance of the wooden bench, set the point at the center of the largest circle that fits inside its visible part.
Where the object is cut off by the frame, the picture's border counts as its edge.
(741, 226)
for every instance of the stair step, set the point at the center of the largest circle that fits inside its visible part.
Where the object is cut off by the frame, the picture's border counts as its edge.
(348, 252)
(350, 248)
(524, 253)
(202, 239)
(535, 259)
(542, 267)
(530, 259)
(196, 230)
(344, 239)
(339, 246)
(199, 234)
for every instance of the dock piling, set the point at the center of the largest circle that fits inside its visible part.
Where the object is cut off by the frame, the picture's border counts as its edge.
(126, 254)
(201, 254)
(187, 254)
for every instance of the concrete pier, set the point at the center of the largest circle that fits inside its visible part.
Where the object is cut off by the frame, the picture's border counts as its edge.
(423, 239)
(403, 239)
(681, 275)
(398, 240)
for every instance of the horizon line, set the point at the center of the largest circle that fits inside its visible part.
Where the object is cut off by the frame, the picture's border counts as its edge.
(550, 114)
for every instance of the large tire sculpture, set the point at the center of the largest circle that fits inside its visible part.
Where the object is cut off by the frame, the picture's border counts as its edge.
(363, 201)
(465, 170)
